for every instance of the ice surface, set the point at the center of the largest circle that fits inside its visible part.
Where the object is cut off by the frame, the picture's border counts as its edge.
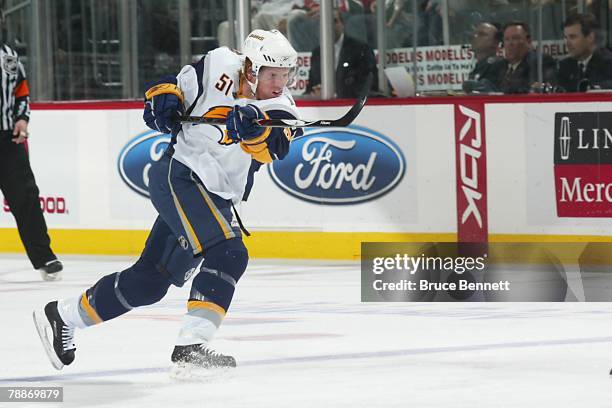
(302, 338)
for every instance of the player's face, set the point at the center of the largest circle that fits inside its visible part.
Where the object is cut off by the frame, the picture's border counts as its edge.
(578, 46)
(271, 82)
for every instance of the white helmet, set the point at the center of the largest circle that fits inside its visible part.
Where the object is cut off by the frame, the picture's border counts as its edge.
(269, 49)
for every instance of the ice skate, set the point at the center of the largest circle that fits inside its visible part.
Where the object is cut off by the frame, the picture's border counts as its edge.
(56, 336)
(195, 361)
(52, 270)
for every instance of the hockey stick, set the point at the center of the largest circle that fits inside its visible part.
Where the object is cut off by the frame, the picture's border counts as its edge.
(345, 120)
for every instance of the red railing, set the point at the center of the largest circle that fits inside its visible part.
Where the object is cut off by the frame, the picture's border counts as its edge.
(432, 100)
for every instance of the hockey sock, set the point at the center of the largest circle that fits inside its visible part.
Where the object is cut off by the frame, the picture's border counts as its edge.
(212, 291)
(72, 313)
(205, 313)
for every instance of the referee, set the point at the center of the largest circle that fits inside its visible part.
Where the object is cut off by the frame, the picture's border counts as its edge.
(16, 178)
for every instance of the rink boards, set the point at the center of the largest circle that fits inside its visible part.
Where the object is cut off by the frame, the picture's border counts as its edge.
(440, 169)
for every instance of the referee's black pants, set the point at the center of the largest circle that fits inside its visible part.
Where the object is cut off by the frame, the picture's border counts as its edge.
(21, 193)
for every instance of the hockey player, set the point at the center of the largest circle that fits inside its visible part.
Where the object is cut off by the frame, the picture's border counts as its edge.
(205, 171)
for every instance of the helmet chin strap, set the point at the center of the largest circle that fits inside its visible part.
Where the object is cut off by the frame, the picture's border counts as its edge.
(253, 86)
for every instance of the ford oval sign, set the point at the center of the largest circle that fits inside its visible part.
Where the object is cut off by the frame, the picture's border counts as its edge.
(339, 166)
(138, 156)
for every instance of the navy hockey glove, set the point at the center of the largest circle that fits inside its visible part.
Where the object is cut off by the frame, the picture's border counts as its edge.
(163, 106)
(241, 123)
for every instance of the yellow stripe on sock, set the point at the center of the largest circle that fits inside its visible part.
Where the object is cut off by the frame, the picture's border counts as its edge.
(90, 310)
(198, 304)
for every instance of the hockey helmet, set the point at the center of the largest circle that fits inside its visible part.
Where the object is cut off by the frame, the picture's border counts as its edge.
(269, 49)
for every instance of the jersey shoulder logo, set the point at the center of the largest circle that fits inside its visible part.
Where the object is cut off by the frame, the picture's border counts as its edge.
(220, 112)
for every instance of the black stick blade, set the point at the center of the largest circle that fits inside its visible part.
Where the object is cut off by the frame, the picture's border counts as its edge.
(345, 120)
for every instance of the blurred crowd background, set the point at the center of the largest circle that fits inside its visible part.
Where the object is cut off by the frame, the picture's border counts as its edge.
(109, 49)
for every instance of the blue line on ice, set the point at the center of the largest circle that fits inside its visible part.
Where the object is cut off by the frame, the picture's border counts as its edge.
(324, 357)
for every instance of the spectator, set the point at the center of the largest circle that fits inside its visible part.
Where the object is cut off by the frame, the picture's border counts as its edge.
(16, 178)
(303, 24)
(223, 29)
(430, 24)
(587, 66)
(485, 44)
(518, 71)
(465, 15)
(354, 61)
(272, 15)
(399, 22)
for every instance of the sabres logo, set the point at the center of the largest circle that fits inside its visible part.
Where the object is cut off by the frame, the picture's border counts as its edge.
(220, 112)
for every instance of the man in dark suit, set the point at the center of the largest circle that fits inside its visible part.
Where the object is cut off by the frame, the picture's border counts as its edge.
(586, 67)
(485, 44)
(518, 72)
(354, 62)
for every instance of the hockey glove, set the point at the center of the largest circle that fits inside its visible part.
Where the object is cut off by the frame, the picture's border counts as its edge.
(241, 123)
(163, 106)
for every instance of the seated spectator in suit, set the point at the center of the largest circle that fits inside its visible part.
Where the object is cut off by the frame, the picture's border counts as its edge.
(354, 61)
(485, 44)
(587, 66)
(518, 71)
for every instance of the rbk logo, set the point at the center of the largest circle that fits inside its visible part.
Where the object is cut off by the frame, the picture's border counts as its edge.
(471, 167)
(470, 152)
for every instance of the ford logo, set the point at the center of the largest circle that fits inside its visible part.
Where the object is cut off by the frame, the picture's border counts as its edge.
(339, 166)
(137, 157)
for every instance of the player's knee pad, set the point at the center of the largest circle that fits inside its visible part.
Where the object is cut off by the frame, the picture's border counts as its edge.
(230, 257)
(221, 269)
(140, 285)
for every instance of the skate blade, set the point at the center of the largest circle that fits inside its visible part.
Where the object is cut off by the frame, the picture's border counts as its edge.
(44, 329)
(194, 373)
(51, 277)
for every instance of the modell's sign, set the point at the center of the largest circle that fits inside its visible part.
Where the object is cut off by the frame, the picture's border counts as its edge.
(583, 164)
(339, 166)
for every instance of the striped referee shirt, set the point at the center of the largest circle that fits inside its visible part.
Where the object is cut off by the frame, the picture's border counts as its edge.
(15, 94)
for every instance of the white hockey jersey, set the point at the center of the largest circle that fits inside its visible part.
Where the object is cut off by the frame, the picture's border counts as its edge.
(222, 168)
